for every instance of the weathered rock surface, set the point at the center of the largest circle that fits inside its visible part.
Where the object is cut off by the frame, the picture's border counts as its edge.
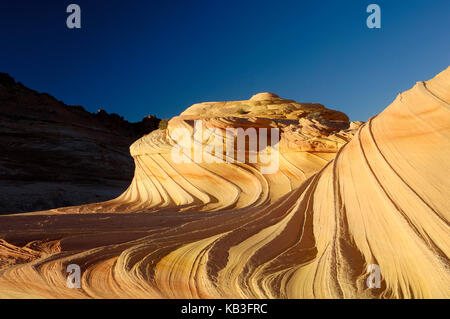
(382, 200)
(309, 137)
(57, 155)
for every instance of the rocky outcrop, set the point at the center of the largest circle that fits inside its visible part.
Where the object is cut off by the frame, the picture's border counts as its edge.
(309, 137)
(381, 202)
(57, 155)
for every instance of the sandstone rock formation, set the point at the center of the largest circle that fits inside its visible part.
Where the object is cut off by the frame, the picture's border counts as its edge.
(309, 137)
(382, 200)
(57, 155)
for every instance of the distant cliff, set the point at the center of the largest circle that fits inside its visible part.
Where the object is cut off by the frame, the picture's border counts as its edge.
(56, 155)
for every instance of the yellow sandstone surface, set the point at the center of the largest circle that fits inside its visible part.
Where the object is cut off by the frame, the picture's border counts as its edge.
(336, 205)
(309, 137)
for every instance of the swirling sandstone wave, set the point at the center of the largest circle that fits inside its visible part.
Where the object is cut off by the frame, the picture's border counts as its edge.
(310, 136)
(383, 200)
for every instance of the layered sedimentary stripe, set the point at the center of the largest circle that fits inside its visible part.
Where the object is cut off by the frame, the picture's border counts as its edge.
(383, 200)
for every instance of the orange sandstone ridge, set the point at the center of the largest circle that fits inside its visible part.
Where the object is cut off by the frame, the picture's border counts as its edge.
(309, 231)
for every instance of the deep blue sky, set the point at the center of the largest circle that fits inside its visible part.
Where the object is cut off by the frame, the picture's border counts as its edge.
(141, 57)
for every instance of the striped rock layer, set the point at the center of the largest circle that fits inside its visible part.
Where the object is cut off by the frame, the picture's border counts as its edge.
(382, 200)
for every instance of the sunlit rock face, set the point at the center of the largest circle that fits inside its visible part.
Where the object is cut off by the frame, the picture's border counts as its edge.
(381, 202)
(306, 137)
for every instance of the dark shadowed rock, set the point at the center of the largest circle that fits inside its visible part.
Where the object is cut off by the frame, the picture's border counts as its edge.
(55, 154)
